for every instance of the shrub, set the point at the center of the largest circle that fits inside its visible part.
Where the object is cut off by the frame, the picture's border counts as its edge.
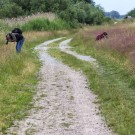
(44, 24)
(83, 13)
(10, 10)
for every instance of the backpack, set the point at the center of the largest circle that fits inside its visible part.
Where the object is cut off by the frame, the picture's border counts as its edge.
(17, 30)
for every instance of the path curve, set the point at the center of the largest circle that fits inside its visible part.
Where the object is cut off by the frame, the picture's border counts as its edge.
(63, 104)
(65, 48)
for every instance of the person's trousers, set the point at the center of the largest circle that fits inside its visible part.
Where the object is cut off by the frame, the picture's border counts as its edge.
(19, 45)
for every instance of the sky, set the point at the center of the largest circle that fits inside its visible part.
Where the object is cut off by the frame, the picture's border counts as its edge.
(122, 6)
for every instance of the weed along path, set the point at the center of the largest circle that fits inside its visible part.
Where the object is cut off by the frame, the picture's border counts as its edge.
(63, 104)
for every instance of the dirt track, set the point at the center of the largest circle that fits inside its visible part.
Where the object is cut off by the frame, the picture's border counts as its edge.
(63, 103)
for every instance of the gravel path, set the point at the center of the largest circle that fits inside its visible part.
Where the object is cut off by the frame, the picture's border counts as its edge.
(63, 104)
(65, 48)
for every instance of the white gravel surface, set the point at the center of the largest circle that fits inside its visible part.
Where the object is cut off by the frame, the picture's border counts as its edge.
(63, 104)
(64, 47)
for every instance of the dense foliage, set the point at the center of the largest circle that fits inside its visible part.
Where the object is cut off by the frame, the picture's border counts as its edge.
(41, 24)
(113, 14)
(73, 11)
(131, 13)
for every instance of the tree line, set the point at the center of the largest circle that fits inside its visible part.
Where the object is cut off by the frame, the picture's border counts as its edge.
(72, 11)
(131, 13)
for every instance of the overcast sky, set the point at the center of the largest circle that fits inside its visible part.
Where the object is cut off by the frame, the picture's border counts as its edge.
(122, 6)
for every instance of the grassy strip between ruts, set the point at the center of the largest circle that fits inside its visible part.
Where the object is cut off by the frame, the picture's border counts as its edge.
(113, 84)
(19, 73)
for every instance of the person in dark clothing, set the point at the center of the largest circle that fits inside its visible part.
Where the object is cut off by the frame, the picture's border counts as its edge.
(17, 30)
(15, 36)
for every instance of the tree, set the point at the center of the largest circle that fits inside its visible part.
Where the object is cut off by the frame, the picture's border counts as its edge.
(3, 2)
(113, 14)
(131, 13)
(83, 13)
(37, 6)
(88, 1)
(24, 4)
(7, 11)
(73, 11)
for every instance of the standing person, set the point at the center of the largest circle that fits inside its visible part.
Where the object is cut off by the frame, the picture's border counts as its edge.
(16, 36)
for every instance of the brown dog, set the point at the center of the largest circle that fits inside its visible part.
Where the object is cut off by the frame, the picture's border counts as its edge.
(101, 36)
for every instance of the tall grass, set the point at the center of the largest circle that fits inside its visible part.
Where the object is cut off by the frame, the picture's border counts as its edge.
(114, 80)
(114, 83)
(19, 72)
(19, 76)
(42, 24)
(3, 26)
(24, 19)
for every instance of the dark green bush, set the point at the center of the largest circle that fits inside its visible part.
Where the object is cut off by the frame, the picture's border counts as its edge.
(10, 10)
(42, 24)
(83, 13)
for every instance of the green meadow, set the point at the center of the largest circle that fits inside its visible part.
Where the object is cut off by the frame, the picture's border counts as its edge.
(113, 81)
